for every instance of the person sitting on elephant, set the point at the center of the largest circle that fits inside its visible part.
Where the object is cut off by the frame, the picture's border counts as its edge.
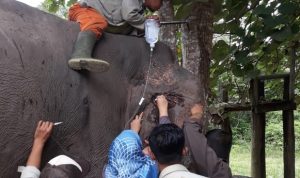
(61, 166)
(94, 16)
(126, 157)
(206, 161)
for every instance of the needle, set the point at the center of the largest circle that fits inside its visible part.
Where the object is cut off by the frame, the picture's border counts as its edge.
(57, 123)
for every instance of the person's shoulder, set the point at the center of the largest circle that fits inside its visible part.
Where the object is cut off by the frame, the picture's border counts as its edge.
(182, 174)
(193, 175)
(178, 171)
(188, 174)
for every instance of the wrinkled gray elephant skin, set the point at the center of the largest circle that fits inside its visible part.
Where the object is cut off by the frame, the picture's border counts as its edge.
(36, 83)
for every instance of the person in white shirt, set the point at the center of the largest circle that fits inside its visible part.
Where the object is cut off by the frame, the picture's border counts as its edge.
(167, 147)
(61, 166)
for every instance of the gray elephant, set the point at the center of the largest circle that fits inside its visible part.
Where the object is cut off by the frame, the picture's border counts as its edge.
(36, 83)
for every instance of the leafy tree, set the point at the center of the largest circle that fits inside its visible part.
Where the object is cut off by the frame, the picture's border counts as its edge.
(254, 37)
(58, 7)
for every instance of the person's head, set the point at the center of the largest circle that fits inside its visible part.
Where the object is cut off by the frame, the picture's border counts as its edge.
(126, 159)
(166, 142)
(153, 5)
(65, 167)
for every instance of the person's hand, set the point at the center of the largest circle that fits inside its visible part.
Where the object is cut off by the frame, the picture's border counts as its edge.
(197, 111)
(43, 131)
(155, 17)
(41, 135)
(136, 124)
(162, 105)
(147, 150)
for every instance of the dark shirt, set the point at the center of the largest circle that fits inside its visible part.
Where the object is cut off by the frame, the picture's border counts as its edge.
(206, 161)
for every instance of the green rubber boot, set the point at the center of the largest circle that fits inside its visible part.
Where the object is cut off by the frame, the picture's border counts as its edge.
(82, 52)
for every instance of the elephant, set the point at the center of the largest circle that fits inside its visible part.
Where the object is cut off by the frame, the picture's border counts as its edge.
(36, 83)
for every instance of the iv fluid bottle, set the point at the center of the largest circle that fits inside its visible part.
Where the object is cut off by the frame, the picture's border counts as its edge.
(151, 32)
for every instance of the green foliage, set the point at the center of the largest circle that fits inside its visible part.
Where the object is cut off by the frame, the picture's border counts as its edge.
(258, 31)
(254, 37)
(58, 7)
(274, 130)
(240, 161)
(297, 133)
(52, 5)
(241, 129)
(182, 11)
(184, 7)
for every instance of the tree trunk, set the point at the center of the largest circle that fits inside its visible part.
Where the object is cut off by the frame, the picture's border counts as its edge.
(168, 32)
(197, 44)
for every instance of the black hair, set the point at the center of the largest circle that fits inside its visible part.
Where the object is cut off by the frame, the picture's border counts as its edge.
(167, 142)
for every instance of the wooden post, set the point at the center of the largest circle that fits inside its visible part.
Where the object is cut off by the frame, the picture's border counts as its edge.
(258, 161)
(288, 121)
(288, 140)
(226, 125)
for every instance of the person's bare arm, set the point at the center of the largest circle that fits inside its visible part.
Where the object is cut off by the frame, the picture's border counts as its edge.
(162, 105)
(42, 133)
(136, 123)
